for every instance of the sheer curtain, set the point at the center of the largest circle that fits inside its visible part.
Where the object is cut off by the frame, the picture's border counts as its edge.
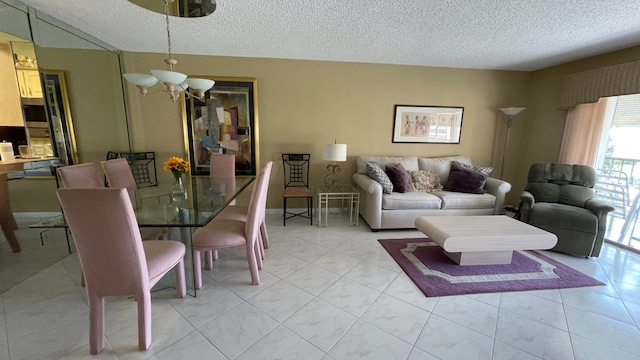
(582, 131)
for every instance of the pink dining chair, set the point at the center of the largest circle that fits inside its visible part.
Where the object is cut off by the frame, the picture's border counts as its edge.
(115, 260)
(239, 212)
(221, 233)
(221, 166)
(80, 176)
(118, 173)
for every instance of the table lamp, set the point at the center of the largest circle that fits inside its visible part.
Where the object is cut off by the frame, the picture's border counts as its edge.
(333, 152)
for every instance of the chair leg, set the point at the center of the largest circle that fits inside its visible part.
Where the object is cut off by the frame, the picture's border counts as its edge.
(181, 285)
(208, 260)
(310, 209)
(82, 283)
(260, 246)
(258, 255)
(144, 320)
(253, 264)
(96, 324)
(263, 235)
(197, 270)
(284, 213)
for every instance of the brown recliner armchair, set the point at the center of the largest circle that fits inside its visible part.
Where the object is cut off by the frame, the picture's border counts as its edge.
(559, 198)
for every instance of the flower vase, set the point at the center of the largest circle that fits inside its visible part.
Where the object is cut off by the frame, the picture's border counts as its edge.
(177, 190)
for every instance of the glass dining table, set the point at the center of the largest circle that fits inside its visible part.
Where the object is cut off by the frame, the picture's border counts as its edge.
(180, 214)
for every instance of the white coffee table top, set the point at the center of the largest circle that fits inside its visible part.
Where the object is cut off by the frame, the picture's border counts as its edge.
(484, 233)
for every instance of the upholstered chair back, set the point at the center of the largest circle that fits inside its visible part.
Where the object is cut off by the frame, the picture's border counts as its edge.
(561, 183)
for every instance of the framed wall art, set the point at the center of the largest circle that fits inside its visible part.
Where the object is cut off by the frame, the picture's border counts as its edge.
(427, 124)
(224, 122)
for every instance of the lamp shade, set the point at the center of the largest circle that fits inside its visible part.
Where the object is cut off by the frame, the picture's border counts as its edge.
(511, 111)
(170, 77)
(335, 152)
(141, 79)
(200, 84)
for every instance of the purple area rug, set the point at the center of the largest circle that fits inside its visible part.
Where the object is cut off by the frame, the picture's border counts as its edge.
(437, 275)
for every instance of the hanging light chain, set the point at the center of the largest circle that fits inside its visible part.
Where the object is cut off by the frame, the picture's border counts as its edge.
(169, 53)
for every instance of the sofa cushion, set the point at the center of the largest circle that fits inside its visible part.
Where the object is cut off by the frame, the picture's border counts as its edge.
(484, 170)
(409, 162)
(441, 165)
(376, 173)
(425, 180)
(400, 178)
(459, 200)
(466, 181)
(409, 201)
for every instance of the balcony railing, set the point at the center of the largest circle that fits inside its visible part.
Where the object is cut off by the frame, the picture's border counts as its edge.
(619, 184)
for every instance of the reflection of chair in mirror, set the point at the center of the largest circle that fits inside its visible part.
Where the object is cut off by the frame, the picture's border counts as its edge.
(142, 164)
(296, 185)
(559, 198)
(114, 260)
(222, 233)
(119, 175)
(80, 176)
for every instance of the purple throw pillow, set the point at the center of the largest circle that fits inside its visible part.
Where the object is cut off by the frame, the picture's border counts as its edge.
(464, 180)
(400, 178)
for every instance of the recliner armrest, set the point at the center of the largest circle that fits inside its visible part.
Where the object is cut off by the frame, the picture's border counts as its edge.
(598, 206)
(527, 203)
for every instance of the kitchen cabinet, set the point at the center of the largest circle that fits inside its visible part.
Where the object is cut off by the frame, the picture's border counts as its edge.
(29, 81)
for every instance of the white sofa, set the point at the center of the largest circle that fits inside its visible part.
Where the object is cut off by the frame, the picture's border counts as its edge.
(400, 210)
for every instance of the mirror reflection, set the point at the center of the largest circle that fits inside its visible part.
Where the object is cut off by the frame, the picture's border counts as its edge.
(61, 96)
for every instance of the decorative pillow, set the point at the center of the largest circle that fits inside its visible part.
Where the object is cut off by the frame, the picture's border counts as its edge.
(400, 178)
(484, 170)
(376, 173)
(425, 180)
(464, 180)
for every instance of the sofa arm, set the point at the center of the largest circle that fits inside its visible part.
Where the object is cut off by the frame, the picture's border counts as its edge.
(499, 189)
(370, 200)
(368, 184)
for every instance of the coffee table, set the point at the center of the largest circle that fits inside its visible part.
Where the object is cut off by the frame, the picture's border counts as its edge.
(483, 240)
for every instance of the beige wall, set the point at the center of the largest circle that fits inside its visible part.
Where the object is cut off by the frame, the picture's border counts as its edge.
(95, 98)
(306, 104)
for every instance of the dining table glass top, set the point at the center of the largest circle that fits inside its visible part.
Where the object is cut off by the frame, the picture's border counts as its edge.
(203, 199)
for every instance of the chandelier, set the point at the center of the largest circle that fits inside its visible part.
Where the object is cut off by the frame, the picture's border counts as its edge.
(173, 83)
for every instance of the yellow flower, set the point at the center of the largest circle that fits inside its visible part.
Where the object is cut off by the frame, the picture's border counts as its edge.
(176, 164)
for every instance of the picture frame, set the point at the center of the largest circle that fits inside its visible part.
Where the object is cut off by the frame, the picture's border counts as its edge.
(60, 122)
(426, 124)
(225, 122)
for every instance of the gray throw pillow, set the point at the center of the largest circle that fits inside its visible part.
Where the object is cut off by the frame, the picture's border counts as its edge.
(376, 173)
(484, 170)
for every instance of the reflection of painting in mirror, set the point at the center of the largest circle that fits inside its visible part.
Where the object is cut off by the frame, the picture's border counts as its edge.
(223, 123)
(60, 123)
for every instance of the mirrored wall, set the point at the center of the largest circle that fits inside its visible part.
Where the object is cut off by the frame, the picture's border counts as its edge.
(66, 100)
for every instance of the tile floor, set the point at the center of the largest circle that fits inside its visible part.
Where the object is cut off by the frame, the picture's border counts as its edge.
(330, 293)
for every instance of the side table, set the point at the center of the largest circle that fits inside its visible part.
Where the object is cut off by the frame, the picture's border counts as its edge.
(341, 192)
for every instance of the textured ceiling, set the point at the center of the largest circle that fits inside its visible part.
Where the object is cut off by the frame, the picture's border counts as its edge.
(479, 34)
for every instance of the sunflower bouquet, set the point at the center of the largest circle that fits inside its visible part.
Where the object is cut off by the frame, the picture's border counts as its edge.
(177, 166)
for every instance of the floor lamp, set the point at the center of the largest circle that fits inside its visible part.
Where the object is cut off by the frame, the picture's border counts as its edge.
(510, 112)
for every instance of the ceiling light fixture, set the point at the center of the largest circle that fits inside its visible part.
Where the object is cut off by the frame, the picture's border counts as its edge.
(173, 83)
